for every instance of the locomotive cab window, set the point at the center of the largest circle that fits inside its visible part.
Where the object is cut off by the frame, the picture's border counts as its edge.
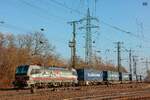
(22, 70)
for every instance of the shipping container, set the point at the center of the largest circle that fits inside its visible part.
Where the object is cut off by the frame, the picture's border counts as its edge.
(139, 78)
(113, 76)
(125, 76)
(134, 78)
(89, 75)
(110, 76)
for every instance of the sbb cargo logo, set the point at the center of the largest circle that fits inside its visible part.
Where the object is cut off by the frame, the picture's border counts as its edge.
(94, 75)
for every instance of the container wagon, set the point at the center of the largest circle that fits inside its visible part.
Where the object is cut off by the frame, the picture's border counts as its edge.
(89, 76)
(139, 78)
(125, 77)
(110, 77)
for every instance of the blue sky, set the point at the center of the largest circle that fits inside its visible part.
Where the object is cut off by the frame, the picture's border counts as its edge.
(130, 15)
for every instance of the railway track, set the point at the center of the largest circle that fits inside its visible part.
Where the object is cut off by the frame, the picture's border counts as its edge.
(26, 92)
(68, 92)
(143, 94)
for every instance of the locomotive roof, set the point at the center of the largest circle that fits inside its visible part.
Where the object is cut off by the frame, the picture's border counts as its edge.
(57, 68)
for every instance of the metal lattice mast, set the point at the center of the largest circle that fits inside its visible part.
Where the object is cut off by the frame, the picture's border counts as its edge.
(146, 65)
(88, 42)
(88, 36)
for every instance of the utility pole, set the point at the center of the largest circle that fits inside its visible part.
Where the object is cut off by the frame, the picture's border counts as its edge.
(88, 37)
(119, 55)
(119, 58)
(72, 44)
(130, 64)
(135, 66)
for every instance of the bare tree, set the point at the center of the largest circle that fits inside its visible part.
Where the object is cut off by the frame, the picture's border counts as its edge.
(10, 40)
(24, 41)
(36, 43)
(1, 39)
(40, 45)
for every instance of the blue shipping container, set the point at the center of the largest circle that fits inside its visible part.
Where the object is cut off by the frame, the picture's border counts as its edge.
(133, 77)
(111, 76)
(125, 76)
(86, 74)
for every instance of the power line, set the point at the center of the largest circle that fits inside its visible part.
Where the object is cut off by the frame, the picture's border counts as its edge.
(38, 8)
(88, 3)
(67, 7)
(124, 31)
(6, 25)
(76, 11)
(95, 6)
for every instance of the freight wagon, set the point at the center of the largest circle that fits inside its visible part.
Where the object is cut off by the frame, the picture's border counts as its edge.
(125, 77)
(88, 76)
(134, 78)
(110, 77)
(137, 78)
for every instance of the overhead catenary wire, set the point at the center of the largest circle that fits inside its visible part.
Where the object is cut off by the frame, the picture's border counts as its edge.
(124, 31)
(67, 7)
(40, 9)
(95, 6)
(7, 25)
(64, 5)
(76, 11)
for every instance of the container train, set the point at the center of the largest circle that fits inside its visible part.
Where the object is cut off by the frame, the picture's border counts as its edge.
(37, 76)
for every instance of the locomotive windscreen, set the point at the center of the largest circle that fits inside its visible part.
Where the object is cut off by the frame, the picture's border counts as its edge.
(22, 70)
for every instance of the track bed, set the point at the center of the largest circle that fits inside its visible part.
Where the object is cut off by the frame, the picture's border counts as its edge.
(99, 92)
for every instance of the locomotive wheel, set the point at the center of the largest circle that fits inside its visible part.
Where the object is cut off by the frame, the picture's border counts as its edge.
(33, 89)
